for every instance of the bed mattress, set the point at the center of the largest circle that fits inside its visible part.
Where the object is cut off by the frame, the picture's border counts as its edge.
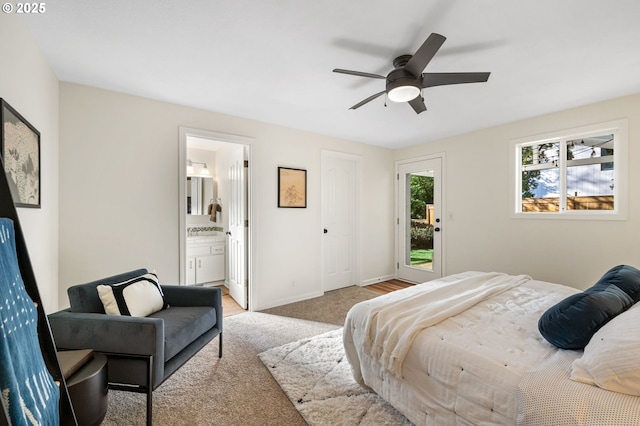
(466, 369)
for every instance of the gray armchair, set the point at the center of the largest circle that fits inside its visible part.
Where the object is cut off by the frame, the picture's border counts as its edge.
(142, 352)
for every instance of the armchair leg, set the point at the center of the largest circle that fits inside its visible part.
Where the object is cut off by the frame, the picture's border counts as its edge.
(150, 391)
(147, 389)
(149, 407)
(220, 345)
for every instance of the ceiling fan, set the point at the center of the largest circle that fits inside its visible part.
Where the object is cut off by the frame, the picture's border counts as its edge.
(406, 81)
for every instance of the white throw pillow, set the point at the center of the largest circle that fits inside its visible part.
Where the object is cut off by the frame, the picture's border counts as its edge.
(138, 297)
(611, 360)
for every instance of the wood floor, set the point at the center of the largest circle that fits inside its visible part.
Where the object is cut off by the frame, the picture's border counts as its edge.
(230, 307)
(385, 287)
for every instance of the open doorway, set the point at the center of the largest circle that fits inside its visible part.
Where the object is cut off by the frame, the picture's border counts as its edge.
(214, 212)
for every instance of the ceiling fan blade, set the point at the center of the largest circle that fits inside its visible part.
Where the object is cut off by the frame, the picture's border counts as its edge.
(369, 99)
(417, 104)
(425, 53)
(431, 79)
(358, 73)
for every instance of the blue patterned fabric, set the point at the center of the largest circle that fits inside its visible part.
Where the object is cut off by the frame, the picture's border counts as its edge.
(27, 389)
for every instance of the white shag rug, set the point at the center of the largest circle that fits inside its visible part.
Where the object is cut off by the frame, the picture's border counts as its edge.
(315, 375)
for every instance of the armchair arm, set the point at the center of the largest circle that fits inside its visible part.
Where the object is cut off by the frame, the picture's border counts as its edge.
(109, 333)
(177, 295)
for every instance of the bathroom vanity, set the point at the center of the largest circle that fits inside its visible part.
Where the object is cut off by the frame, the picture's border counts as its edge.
(205, 259)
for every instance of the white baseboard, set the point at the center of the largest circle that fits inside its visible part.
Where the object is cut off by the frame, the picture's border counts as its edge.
(288, 300)
(299, 298)
(377, 280)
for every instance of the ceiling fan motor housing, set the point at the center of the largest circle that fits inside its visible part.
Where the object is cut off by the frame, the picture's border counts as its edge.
(402, 80)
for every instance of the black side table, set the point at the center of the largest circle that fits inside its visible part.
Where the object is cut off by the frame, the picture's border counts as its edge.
(88, 386)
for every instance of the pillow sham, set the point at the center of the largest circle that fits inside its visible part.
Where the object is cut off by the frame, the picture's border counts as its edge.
(138, 297)
(611, 360)
(572, 322)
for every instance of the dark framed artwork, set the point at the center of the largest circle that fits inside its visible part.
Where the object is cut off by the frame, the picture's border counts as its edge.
(20, 150)
(292, 188)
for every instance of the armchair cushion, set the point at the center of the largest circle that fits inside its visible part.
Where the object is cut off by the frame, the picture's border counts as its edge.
(136, 297)
(183, 325)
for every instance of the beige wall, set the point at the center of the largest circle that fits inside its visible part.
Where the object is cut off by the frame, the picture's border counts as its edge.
(28, 85)
(481, 235)
(119, 194)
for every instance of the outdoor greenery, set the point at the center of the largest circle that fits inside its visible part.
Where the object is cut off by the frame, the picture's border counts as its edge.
(421, 256)
(421, 235)
(530, 179)
(421, 195)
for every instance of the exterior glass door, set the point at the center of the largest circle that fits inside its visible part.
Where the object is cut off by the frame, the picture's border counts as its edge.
(419, 220)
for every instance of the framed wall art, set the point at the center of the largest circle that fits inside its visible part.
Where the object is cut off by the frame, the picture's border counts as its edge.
(292, 188)
(20, 150)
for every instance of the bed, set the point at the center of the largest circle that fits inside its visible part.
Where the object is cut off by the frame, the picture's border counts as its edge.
(466, 350)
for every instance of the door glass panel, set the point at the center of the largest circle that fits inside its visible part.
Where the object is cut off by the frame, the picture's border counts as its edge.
(420, 220)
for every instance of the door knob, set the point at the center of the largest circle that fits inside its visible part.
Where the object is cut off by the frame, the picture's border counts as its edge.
(436, 229)
(228, 233)
(325, 230)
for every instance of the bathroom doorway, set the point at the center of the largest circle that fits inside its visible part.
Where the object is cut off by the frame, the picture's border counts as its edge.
(215, 193)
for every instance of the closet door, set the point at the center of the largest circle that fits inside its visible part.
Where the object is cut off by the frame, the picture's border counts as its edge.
(339, 197)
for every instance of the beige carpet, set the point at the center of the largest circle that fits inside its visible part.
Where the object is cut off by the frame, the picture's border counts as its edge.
(237, 389)
(331, 308)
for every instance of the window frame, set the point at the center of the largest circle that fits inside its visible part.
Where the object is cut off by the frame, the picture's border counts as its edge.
(619, 129)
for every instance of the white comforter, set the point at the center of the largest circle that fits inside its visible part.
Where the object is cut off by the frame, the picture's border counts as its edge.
(390, 329)
(466, 369)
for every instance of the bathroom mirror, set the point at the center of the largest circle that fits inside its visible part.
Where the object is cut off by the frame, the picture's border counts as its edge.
(199, 194)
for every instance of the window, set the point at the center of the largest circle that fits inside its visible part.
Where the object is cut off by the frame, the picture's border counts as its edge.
(577, 173)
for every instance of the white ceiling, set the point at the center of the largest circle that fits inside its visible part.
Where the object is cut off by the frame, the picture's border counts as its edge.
(272, 60)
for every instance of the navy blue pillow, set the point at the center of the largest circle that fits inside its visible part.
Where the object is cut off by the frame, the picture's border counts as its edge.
(571, 323)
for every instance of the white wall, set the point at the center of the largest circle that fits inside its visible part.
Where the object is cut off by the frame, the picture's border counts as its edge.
(119, 194)
(28, 85)
(480, 234)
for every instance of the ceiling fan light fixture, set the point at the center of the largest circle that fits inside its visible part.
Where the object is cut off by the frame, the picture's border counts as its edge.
(402, 86)
(403, 93)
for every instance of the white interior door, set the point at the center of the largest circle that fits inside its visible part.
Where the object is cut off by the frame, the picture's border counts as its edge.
(340, 180)
(237, 232)
(419, 247)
